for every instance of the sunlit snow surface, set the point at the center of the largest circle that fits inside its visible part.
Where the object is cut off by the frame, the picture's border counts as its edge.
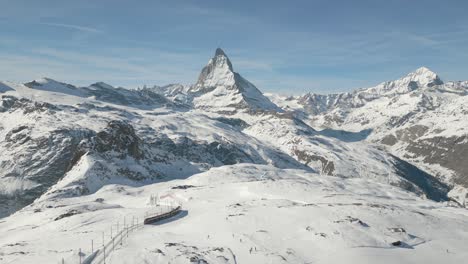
(284, 216)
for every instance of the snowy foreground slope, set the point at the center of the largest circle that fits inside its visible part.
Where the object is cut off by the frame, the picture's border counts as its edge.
(284, 216)
(260, 180)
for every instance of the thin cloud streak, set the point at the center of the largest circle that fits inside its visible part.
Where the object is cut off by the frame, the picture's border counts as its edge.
(172, 42)
(73, 27)
(80, 69)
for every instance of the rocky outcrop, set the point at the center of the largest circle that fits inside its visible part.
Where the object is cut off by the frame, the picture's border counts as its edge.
(328, 167)
(120, 137)
(448, 152)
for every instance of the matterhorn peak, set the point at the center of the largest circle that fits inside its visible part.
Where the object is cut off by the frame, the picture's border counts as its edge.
(218, 72)
(221, 58)
(220, 52)
(220, 88)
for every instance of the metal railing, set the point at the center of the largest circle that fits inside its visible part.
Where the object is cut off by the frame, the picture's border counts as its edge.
(100, 254)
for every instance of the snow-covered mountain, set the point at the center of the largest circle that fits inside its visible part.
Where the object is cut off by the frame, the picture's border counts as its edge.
(174, 92)
(220, 89)
(418, 118)
(343, 170)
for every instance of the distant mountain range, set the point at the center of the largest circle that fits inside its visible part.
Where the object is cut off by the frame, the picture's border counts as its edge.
(418, 118)
(387, 152)
(409, 132)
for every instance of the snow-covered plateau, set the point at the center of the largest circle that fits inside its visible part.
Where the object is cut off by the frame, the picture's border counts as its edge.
(378, 175)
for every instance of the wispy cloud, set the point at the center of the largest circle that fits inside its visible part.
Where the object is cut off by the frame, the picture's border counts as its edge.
(73, 27)
(81, 69)
(172, 40)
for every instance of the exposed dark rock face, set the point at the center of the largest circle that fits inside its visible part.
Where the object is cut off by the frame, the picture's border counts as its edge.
(37, 162)
(451, 152)
(235, 122)
(448, 152)
(412, 133)
(67, 214)
(119, 136)
(107, 93)
(151, 97)
(11, 103)
(328, 167)
(213, 154)
(436, 81)
(389, 140)
(34, 84)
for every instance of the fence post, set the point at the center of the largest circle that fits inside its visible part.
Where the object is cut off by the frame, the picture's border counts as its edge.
(92, 246)
(104, 250)
(79, 254)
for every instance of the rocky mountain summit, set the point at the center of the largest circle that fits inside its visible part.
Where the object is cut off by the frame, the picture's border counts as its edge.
(220, 89)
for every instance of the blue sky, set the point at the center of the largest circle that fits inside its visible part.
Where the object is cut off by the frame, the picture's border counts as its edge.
(281, 46)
